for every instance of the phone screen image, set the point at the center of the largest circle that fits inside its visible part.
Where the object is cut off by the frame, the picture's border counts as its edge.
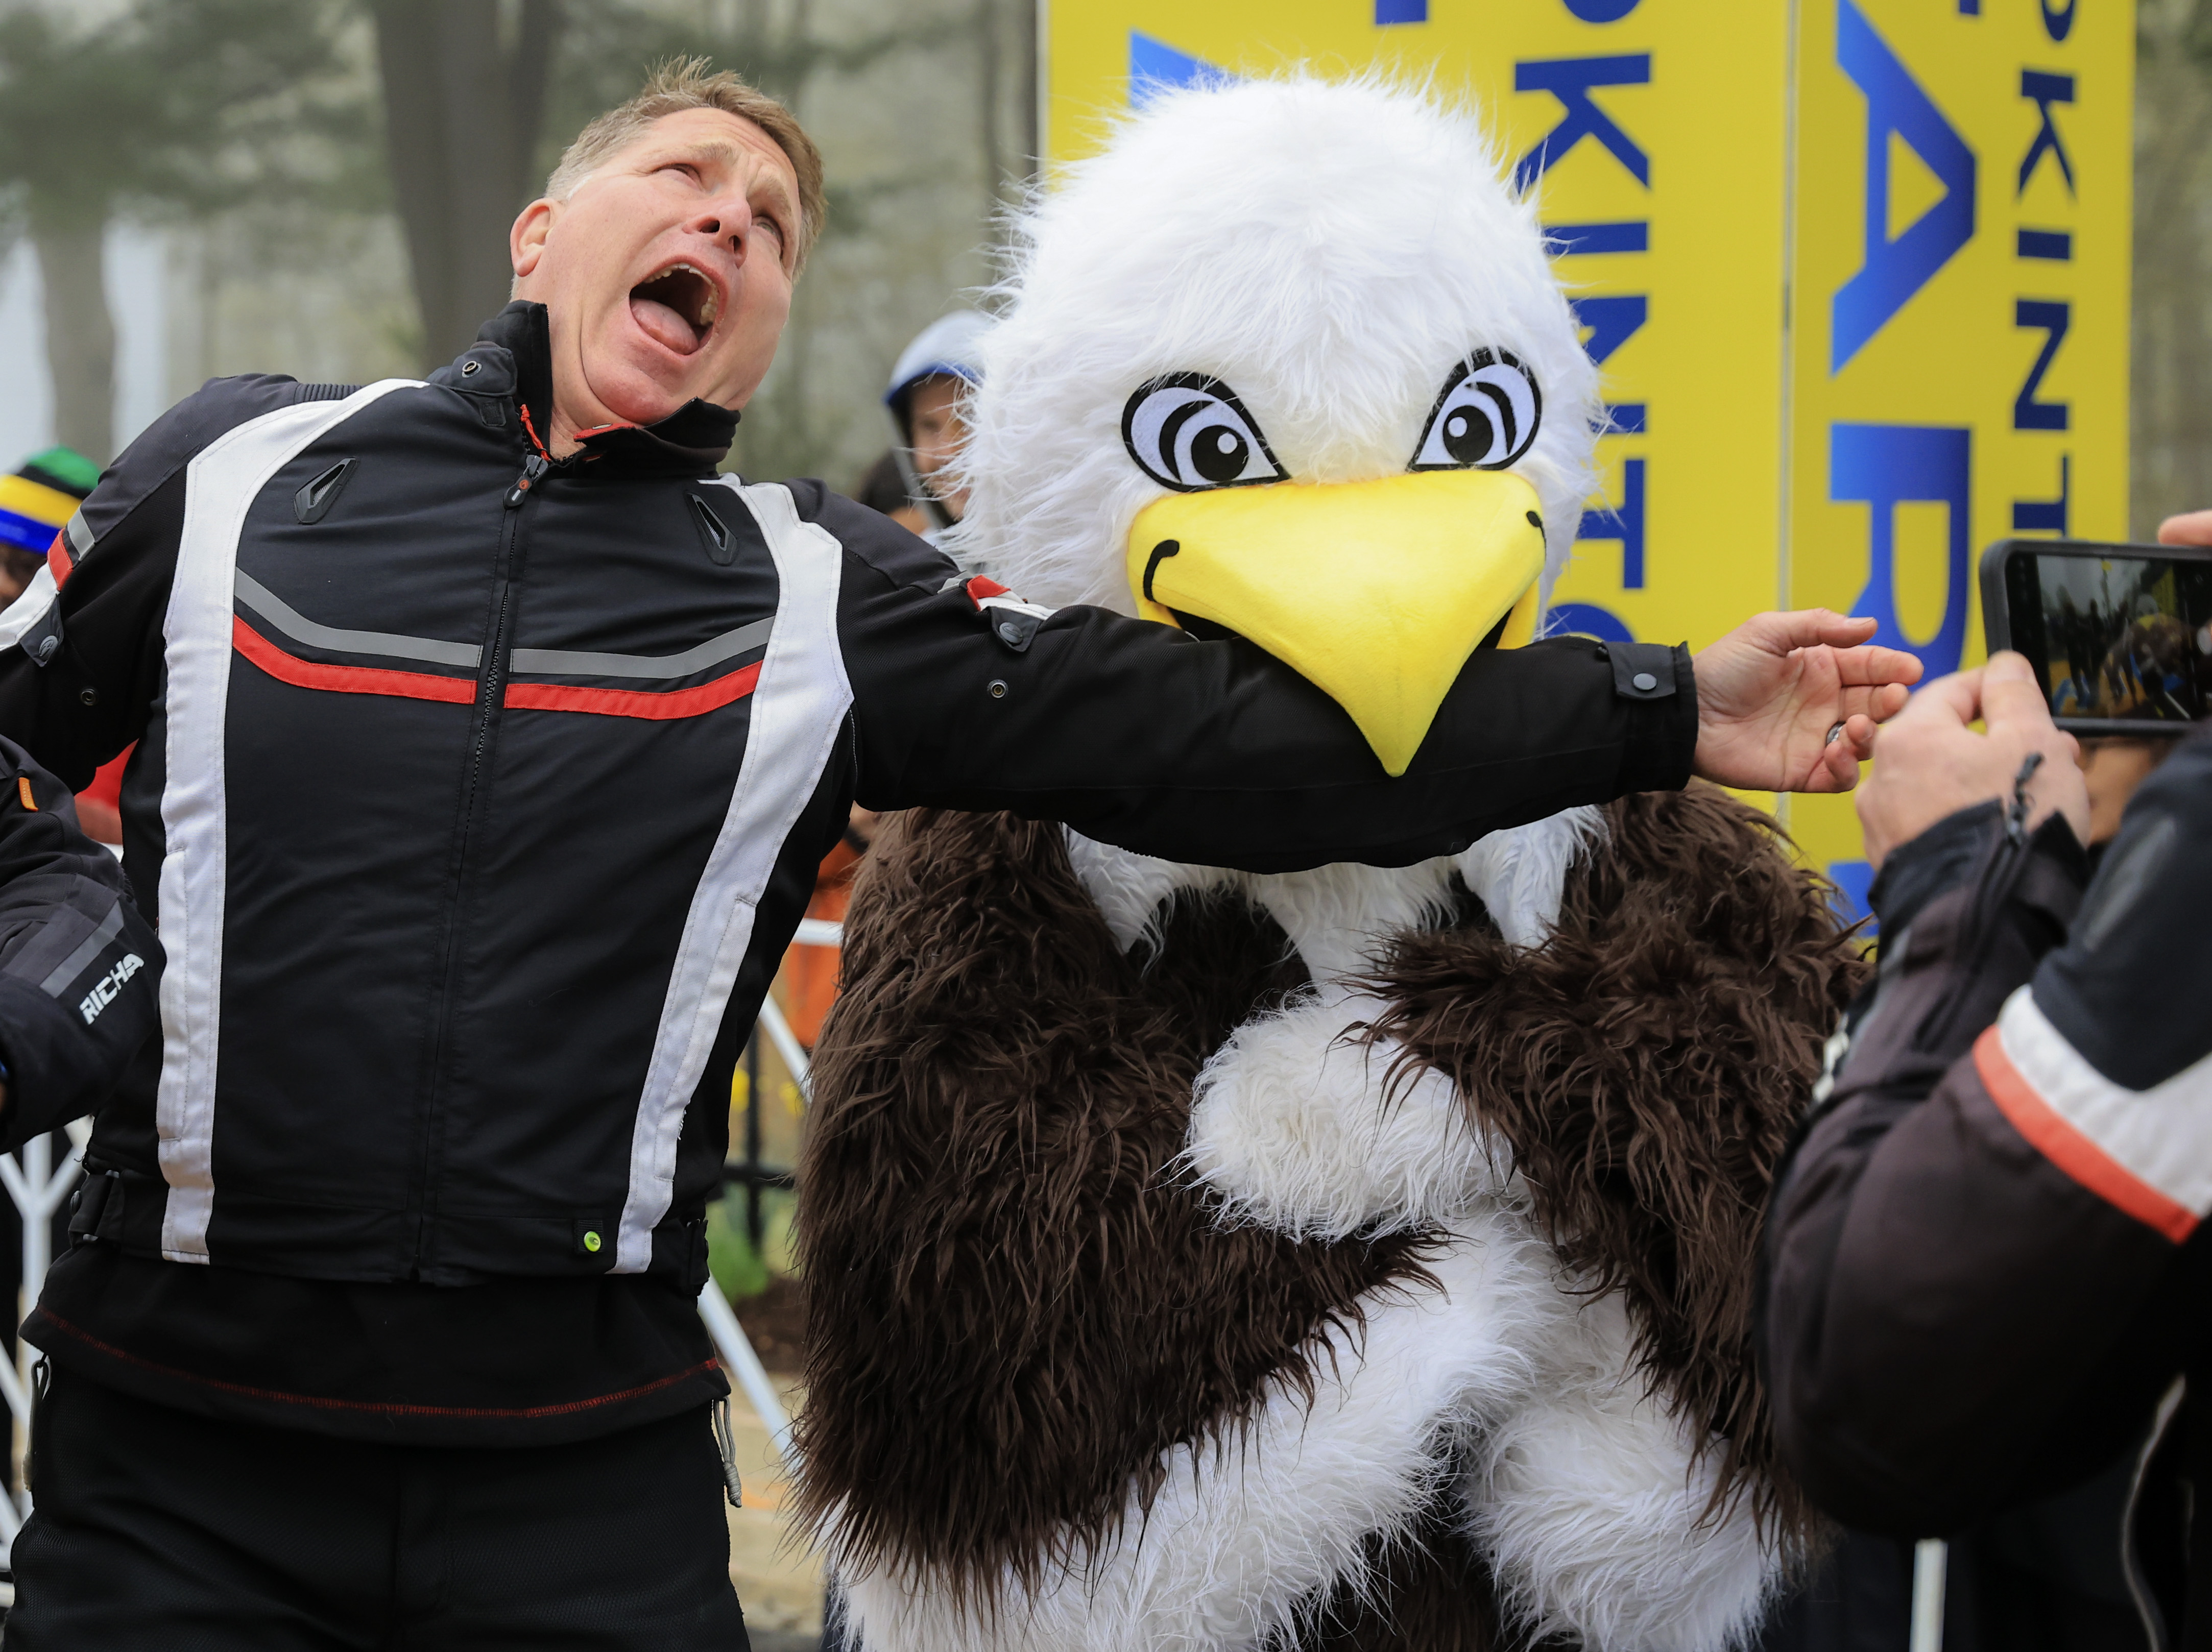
(2116, 637)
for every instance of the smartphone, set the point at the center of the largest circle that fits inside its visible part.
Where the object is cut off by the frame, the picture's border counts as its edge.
(2120, 636)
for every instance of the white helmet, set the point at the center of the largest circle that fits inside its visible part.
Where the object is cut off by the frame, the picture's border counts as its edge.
(947, 345)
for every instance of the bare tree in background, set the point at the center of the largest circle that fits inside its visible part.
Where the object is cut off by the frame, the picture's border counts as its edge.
(2172, 392)
(464, 88)
(174, 107)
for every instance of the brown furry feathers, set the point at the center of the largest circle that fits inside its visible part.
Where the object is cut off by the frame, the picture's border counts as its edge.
(1647, 1065)
(1011, 1313)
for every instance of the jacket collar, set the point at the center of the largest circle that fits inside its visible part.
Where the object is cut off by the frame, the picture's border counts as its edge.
(512, 360)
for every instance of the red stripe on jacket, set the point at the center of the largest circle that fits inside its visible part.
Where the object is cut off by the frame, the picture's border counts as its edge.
(346, 679)
(632, 702)
(520, 697)
(2051, 1134)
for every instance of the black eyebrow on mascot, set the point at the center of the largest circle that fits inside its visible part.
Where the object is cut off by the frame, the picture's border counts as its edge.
(1350, 1258)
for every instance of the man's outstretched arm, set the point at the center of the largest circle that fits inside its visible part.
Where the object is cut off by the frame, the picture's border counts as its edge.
(1215, 752)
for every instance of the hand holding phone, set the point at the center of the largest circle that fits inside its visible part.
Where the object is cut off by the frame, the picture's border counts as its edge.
(2189, 528)
(1929, 763)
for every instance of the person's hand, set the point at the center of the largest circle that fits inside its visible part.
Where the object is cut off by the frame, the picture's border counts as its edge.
(2193, 529)
(1787, 703)
(1928, 763)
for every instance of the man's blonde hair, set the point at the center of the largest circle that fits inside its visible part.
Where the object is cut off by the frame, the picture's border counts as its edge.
(691, 83)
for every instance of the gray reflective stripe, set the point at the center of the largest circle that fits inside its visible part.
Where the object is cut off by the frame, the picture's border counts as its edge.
(71, 967)
(797, 711)
(220, 484)
(284, 617)
(298, 627)
(559, 662)
(80, 536)
(28, 610)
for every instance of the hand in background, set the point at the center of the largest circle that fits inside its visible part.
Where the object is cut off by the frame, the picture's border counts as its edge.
(1770, 692)
(1932, 764)
(2193, 529)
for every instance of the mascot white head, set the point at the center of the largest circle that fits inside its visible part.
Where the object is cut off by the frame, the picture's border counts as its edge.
(1288, 360)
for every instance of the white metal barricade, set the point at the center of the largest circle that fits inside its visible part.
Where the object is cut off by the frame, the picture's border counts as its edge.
(1931, 1561)
(731, 1342)
(38, 1187)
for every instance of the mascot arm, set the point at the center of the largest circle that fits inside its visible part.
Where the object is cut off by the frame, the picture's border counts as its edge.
(1595, 1508)
(1645, 1068)
(1214, 753)
(1974, 1268)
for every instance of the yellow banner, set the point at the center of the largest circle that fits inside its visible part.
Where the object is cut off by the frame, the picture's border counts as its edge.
(1855, 273)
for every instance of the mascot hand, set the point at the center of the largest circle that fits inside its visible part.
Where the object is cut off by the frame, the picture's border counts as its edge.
(1787, 703)
(1933, 765)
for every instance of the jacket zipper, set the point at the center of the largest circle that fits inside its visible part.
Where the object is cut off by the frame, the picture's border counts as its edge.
(491, 687)
(2000, 875)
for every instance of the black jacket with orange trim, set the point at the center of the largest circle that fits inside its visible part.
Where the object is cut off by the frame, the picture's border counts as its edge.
(1986, 1259)
(477, 795)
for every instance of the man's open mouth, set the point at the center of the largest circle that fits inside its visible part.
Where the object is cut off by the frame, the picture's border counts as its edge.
(677, 307)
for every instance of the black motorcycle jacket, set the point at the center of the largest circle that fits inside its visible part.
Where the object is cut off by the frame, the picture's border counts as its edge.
(478, 793)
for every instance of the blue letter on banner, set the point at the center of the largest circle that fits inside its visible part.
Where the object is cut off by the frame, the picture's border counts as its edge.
(2047, 89)
(1156, 67)
(1894, 270)
(2046, 515)
(1569, 79)
(1886, 466)
(1387, 12)
(1584, 619)
(2051, 316)
(1625, 525)
(1612, 321)
(1563, 241)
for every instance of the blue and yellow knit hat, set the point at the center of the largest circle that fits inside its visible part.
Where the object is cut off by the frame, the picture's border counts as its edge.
(42, 495)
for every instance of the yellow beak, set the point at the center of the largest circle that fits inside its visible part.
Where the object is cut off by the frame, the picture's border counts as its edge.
(1375, 591)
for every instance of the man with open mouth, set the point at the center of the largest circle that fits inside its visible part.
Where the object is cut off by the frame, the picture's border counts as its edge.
(488, 739)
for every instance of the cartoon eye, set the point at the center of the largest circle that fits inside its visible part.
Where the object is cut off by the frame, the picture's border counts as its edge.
(1189, 431)
(1485, 418)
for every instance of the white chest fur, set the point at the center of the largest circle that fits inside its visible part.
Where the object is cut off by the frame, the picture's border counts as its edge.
(1299, 1123)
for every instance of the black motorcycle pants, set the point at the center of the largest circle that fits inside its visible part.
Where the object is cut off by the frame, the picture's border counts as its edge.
(161, 1531)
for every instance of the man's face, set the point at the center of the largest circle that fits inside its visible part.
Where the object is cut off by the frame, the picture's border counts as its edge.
(934, 416)
(667, 273)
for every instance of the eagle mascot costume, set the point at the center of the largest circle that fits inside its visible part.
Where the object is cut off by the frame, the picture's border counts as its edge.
(1354, 1257)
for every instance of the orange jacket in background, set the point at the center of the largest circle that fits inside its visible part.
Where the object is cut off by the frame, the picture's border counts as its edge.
(810, 972)
(98, 806)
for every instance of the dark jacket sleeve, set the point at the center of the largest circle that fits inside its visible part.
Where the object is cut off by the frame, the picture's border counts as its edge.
(1214, 752)
(80, 671)
(85, 664)
(1974, 1256)
(78, 966)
